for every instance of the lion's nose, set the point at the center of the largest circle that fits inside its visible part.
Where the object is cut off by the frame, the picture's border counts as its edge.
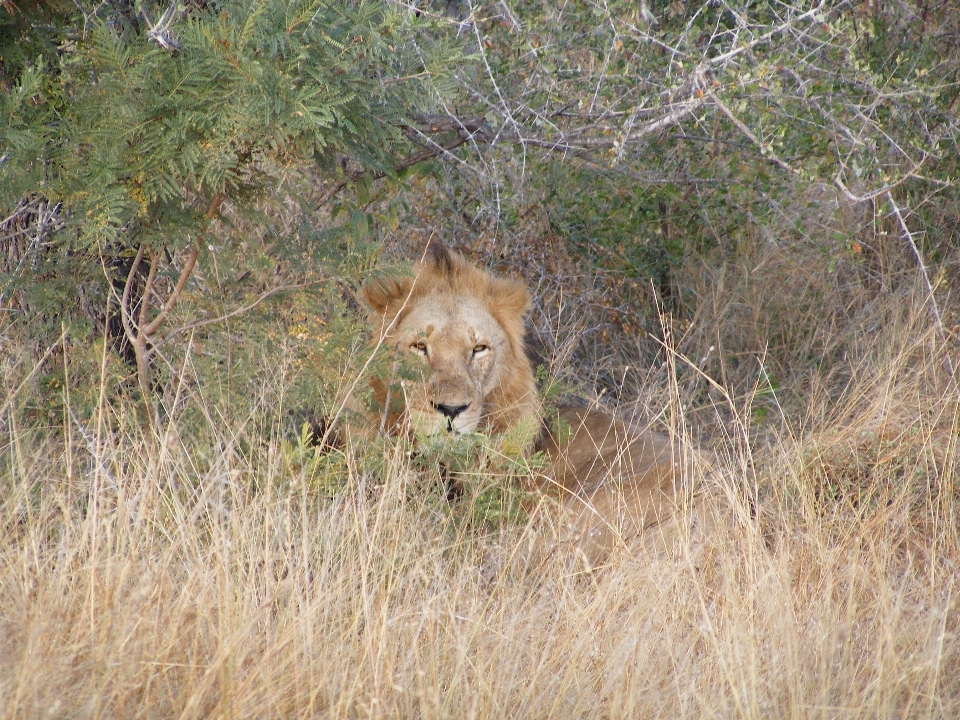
(450, 411)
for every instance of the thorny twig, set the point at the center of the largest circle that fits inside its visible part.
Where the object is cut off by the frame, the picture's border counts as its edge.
(88, 16)
(765, 150)
(159, 32)
(193, 325)
(934, 308)
(466, 129)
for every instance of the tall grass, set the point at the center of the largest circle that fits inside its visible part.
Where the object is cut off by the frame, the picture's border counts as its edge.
(205, 569)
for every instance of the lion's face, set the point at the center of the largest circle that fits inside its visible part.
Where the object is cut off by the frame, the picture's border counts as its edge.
(464, 348)
(466, 325)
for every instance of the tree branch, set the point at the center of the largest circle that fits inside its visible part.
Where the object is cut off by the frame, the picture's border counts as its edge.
(934, 308)
(466, 129)
(138, 333)
(765, 151)
(125, 300)
(171, 301)
(194, 324)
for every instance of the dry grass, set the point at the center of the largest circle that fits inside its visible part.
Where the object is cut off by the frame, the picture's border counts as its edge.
(201, 573)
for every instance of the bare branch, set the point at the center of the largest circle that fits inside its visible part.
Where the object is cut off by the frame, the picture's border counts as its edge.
(47, 219)
(761, 39)
(467, 129)
(873, 194)
(125, 300)
(193, 325)
(765, 150)
(159, 32)
(138, 333)
(934, 308)
(172, 300)
(148, 289)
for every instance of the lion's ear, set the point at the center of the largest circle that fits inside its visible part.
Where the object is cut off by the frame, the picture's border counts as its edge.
(511, 301)
(518, 298)
(440, 257)
(382, 293)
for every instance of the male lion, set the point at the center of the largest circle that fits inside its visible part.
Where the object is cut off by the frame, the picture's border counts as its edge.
(614, 480)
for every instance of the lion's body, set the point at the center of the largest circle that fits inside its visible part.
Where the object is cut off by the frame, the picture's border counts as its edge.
(613, 479)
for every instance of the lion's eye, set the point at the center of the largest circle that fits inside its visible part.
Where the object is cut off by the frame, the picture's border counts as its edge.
(420, 347)
(480, 348)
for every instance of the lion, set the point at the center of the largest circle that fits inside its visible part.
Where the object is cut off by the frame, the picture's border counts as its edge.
(613, 480)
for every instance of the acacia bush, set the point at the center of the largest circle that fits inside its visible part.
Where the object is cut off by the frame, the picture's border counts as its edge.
(141, 144)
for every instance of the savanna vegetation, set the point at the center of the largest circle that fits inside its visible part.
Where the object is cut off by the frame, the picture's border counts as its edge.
(740, 220)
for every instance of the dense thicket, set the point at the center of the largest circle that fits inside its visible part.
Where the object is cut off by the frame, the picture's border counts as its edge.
(199, 159)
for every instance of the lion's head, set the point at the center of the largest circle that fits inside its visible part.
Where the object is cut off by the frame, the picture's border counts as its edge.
(467, 326)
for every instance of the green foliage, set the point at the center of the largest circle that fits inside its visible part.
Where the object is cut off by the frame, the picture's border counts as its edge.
(615, 223)
(25, 37)
(489, 473)
(137, 138)
(119, 128)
